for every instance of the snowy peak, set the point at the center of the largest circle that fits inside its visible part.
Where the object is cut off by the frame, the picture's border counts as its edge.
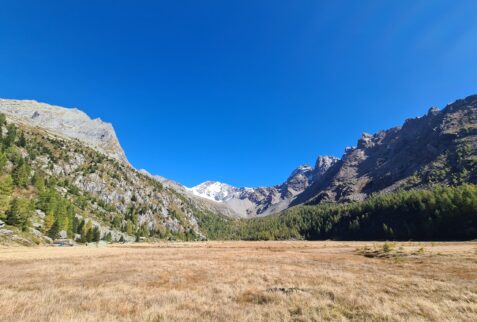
(323, 164)
(67, 122)
(214, 190)
(250, 202)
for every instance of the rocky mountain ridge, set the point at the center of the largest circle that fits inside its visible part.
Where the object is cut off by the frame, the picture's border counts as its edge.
(261, 201)
(66, 122)
(439, 147)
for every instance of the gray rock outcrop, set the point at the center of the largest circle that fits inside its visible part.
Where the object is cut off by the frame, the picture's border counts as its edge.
(66, 122)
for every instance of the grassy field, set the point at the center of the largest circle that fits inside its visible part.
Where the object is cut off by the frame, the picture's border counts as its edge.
(241, 281)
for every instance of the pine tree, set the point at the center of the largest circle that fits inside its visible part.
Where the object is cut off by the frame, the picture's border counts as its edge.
(39, 182)
(54, 230)
(3, 160)
(22, 140)
(13, 214)
(80, 227)
(108, 237)
(116, 222)
(48, 222)
(21, 174)
(89, 236)
(96, 234)
(19, 213)
(129, 228)
(70, 229)
(11, 135)
(61, 214)
(6, 188)
(87, 232)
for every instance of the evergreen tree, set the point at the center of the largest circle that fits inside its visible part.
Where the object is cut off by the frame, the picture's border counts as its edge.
(54, 231)
(71, 217)
(96, 234)
(3, 160)
(75, 223)
(22, 140)
(19, 213)
(87, 232)
(80, 228)
(90, 235)
(39, 182)
(6, 188)
(21, 174)
(11, 135)
(116, 222)
(130, 228)
(108, 237)
(48, 222)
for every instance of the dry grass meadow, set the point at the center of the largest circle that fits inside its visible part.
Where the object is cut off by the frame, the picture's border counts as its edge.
(241, 281)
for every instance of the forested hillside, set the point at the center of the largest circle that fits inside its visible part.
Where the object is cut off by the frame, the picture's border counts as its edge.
(52, 187)
(439, 213)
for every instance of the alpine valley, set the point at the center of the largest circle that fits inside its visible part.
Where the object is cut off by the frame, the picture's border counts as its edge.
(64, 176)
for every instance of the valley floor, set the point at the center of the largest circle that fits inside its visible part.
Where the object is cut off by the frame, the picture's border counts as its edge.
(241, 281)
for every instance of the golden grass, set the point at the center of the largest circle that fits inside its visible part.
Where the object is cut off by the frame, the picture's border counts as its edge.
(241, 281)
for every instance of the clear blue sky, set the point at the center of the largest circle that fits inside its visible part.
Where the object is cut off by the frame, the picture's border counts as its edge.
(239, 91)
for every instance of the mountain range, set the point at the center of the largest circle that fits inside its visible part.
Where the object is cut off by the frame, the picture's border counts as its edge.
(84, 165)
(262, 201)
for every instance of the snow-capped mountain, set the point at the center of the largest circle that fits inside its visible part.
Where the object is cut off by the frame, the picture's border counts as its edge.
(250, 202)
(214, 190)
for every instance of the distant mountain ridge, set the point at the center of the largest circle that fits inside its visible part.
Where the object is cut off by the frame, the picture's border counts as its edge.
(260, 201)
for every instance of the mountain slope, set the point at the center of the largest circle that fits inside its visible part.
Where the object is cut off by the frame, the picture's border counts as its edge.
(66, 122)
(53, 186)
(440, 147)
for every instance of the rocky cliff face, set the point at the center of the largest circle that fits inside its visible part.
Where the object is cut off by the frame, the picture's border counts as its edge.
(260, 201)
(439, 147)
(66, 122)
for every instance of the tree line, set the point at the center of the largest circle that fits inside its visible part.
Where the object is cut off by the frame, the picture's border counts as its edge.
(437, 213)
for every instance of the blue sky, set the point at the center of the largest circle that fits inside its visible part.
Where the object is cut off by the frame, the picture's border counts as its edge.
(239, 91)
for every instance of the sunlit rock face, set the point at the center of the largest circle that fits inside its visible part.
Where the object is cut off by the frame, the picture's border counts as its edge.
(67, 122)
